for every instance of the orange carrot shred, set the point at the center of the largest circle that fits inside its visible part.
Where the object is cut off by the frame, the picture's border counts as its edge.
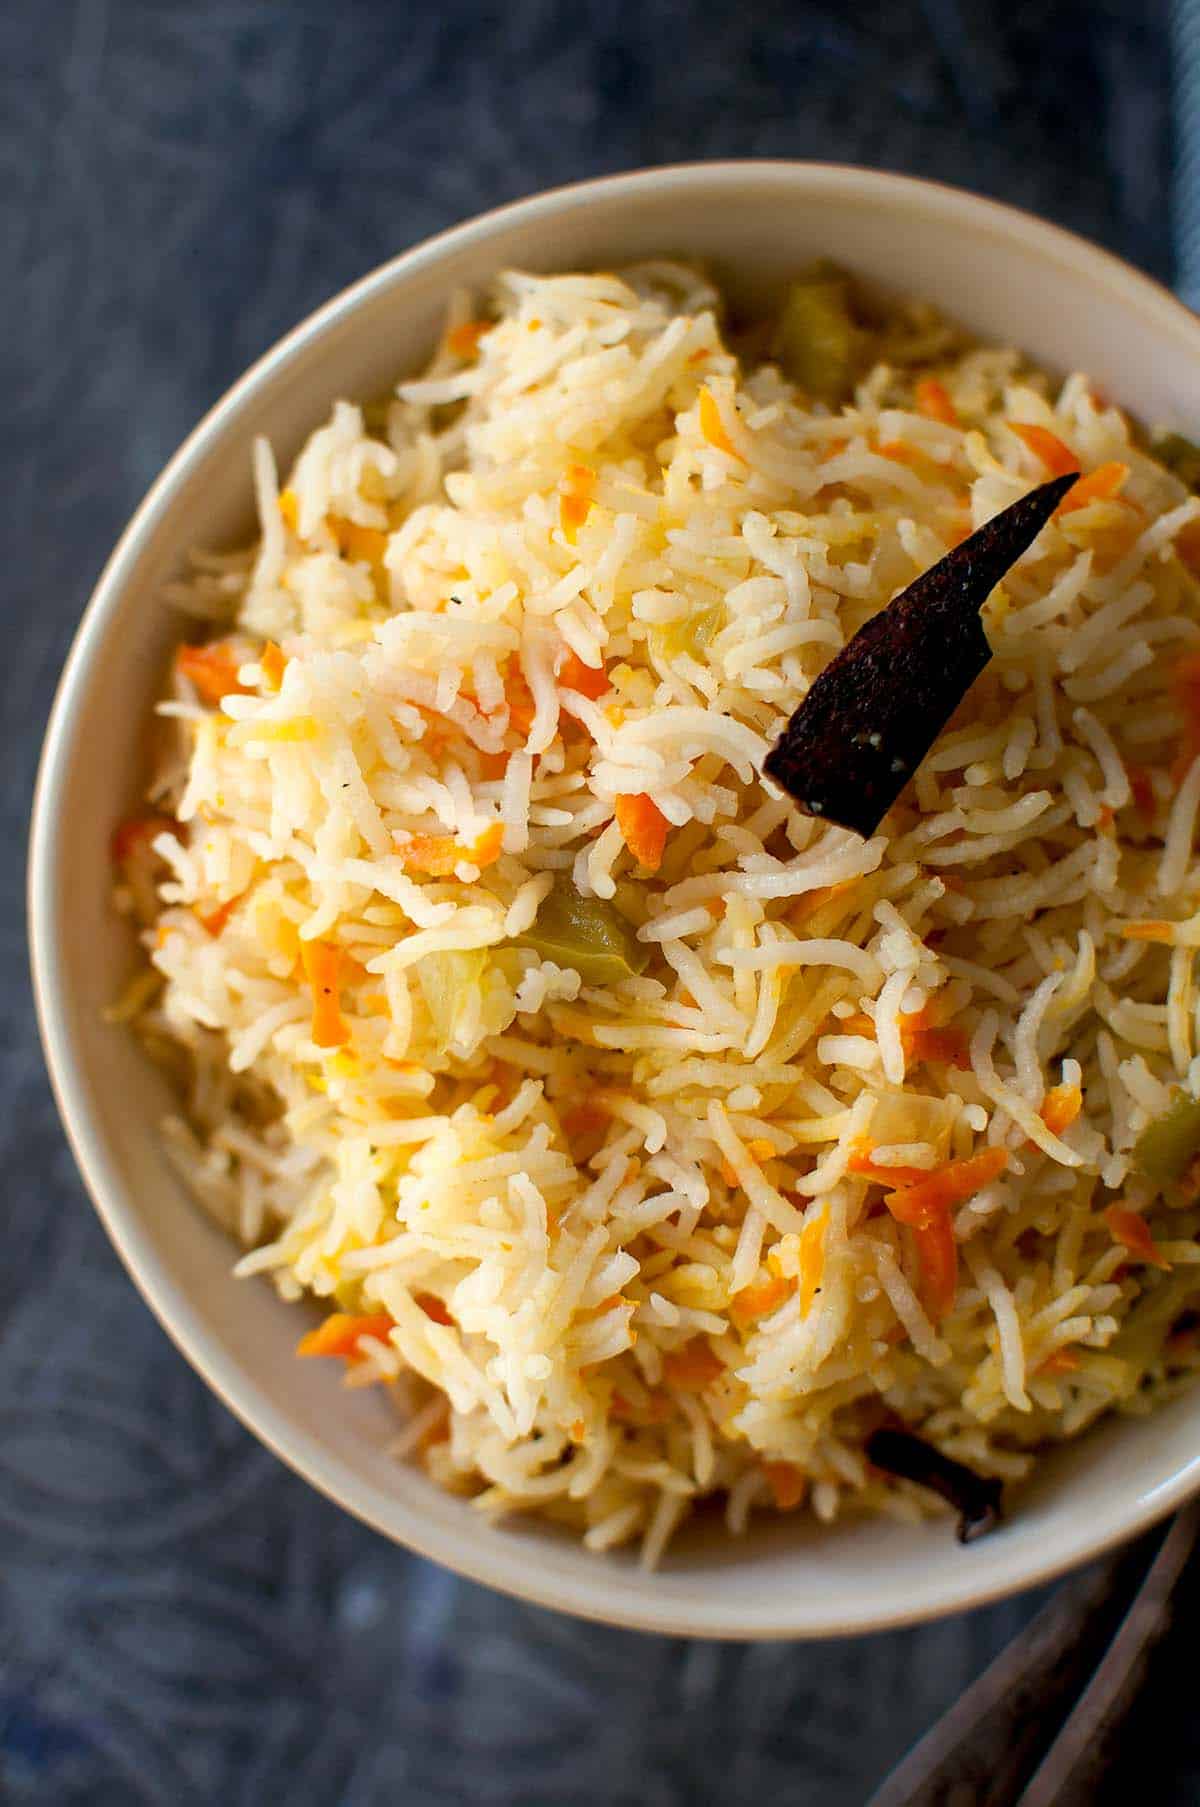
(1061, 1106)
(1062, 1361)
(758, 1300)
(433, 1307)
(862, 1161)
(575, 493)
(693, 1367)
(1143, 792)
(945, 1187)
(212, 670)
(438, 855)
(937, 1255)
(1154, 930)
(340, 1334)
(589, 680)
(1133, 1233)
(1100, 485)
(519, 698)
(463, 340)
(272, 664)
(214, 920)
(948, 1045)
(900, 452)
(787, 1483)
(933, 401)
(1187, 546)
(713, 427)
(139, 831)
(644, 828)
(812, 1259)
(321, 964)
(1048, 447)
(289, 508)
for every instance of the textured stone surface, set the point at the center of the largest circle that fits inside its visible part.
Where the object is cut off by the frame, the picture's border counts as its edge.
(182, 1621)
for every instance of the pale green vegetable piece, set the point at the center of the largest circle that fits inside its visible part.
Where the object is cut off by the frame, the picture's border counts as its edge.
(690, 634)
(817, 342)
(1169, 1144)
(447, 981)
(1180, 455)
(587, 934)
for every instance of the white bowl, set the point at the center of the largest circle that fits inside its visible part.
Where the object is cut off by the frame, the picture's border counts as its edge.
(1010, 277)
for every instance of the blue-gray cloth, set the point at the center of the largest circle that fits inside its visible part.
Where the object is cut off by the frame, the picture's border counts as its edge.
(182, 1622)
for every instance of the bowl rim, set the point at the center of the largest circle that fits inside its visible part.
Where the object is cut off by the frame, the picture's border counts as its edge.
(610, 1597)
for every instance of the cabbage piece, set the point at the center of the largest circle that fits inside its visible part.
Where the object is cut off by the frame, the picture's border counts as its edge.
(585, 933)
(450, 983)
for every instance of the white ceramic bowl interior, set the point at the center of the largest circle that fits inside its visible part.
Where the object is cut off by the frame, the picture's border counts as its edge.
(1012, 278)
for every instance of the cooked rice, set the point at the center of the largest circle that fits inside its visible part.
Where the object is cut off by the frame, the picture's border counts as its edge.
(587, 1176)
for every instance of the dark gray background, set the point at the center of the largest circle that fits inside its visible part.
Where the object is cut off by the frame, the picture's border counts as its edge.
(181, 1620)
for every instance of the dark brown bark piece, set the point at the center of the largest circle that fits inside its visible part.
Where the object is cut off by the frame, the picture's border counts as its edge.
(877, 708)
(975, 1497)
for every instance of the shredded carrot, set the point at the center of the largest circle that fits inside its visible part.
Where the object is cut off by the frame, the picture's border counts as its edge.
(862, 1161)
(361, 545)
(656, 1410)
(933, 401)
(1048, 447)
(713, 427)
(812, 1259)
(758, 1301)
(578, 1430)
(139, 831)
(589, 680)
(1061, 1106)
(487, 847)
(698, 357)
(463, 340)
(1133, 1233)
(212, 670)
(1187, 546)
(289, 508)
(945, 1187)
(644, 828)
(322, 962)
(340, 1333)
(584, 1120)
(492, 765)
(1154, 930)
(438, 855)
(433, 1307)
(214, 920)
(1143, 792)
(729, 1174)
(693, 1367)
(575, 492)
(937, 1256)
(1100, 485)
(272, 664)
(922, 1038)
(1062, 1361)
(900, 452)
(519, 698)
(787, 1483)
(809, 902)
(949, 1045)
(1106, 818)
